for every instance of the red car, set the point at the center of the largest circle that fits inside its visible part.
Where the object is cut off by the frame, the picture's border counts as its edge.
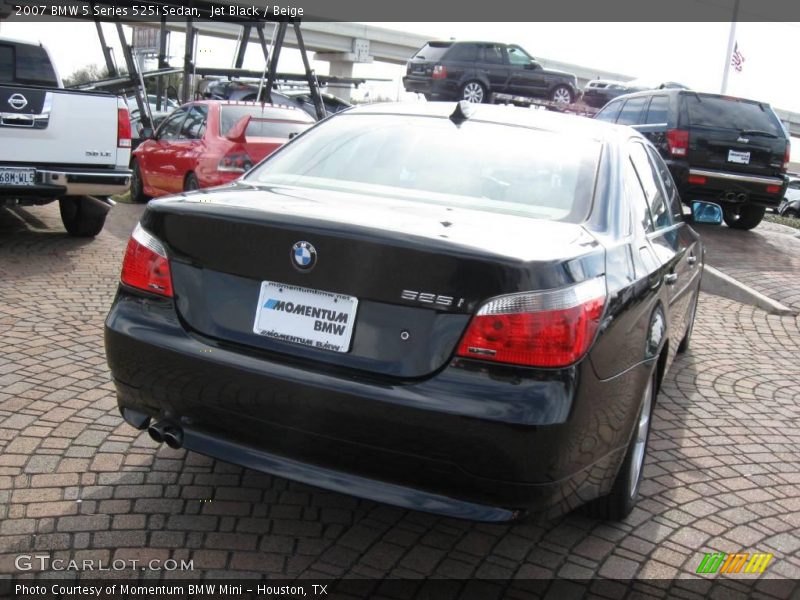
(210, 142)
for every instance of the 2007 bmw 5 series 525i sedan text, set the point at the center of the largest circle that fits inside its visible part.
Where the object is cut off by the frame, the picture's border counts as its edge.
(461, 309)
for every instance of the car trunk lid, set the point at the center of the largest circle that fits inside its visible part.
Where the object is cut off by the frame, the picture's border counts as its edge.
(407, 286)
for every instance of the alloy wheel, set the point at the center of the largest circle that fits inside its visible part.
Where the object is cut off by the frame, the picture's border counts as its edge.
(473, 92)
(562, 96)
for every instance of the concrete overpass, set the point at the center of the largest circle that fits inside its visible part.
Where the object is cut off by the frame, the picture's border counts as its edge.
(344, 44)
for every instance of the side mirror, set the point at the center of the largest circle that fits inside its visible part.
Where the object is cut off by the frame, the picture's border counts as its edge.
(534, 65)
(147, 133)
(706, 212)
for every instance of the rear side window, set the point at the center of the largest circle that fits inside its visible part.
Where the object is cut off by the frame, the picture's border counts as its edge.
(463, 52)
(195, 124)
(629, 115)
(673, 197)
(171, 128)
(657, 111)
(432, 51)
(264, 122)
(636, 197)
(648, 175)
(610, 112)
(493, 54)
(729, 113)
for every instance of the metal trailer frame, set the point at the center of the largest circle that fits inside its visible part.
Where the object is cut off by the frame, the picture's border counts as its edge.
(205, 7)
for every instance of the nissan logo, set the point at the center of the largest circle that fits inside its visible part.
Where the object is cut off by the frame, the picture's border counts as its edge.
(18, 101)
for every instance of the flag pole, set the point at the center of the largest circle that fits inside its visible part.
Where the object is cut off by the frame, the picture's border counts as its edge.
(731, 42)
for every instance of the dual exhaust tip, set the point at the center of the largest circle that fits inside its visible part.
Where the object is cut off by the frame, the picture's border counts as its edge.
(166, 432)
(734, 197)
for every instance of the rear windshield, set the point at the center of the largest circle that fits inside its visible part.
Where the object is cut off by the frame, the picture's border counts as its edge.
(730, 113)
(265, 121)
(432, 51)
(23, 63)
(483, 166)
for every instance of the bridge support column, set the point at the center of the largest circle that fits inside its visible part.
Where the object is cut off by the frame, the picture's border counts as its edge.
(341, 65)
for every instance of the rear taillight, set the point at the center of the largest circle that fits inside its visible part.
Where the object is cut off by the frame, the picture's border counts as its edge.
(123, 128)
(787, 157)
(439, 72)
(146, 266)
(678, 142)
(553, 328)
(773, 189)
(235, 162)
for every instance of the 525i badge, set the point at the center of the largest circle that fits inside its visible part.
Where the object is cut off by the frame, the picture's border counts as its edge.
(428, 298)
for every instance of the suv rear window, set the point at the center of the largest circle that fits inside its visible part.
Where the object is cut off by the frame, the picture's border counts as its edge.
(730, 113)
(432, 51)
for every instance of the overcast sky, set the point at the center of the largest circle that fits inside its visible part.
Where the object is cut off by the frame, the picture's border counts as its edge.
(691, 53)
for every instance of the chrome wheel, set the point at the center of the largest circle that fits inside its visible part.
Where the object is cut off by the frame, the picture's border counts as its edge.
(473, 92)
(562, 95)
(640, 440)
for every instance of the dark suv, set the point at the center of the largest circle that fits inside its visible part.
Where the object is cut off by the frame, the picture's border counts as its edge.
(728, 150)
(473, 71)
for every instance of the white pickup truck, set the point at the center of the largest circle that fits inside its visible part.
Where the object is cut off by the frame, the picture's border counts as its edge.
(58, 144)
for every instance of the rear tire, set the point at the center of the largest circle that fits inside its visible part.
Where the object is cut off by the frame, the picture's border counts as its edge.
(191, 183)
(791, 213)
(474, 92)
(746, 216)
(620, 501)
(137, 185)
(80, 218)
(561, 94)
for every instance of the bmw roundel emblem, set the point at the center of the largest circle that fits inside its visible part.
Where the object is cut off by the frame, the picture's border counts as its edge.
(304, 256)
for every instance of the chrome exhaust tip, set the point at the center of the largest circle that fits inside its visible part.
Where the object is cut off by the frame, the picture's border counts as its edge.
(156, 431)
(173, 436)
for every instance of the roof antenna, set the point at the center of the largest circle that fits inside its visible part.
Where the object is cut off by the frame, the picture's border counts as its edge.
(464, 110)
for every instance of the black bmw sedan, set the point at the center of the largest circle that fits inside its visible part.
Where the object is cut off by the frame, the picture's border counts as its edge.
(461, 309)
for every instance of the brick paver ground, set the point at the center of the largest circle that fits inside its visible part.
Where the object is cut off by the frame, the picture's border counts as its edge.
(766, 258)
(723, 473)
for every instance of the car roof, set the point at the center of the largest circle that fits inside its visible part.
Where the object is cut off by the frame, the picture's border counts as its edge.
(678, 91)
(504, 115)
(288, 108)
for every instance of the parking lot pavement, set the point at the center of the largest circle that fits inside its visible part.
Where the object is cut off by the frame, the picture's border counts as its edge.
(723, 473)
(766, 258)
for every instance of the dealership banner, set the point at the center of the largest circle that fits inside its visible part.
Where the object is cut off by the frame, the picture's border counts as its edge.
(104, 588)
(407, 11)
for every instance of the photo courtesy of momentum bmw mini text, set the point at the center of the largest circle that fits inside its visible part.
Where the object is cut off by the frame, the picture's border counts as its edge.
(386, 301)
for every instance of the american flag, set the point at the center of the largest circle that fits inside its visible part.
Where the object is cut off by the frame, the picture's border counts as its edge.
(737, 59)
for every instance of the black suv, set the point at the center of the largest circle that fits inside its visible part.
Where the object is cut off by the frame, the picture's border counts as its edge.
(473, 71)
(728, 150)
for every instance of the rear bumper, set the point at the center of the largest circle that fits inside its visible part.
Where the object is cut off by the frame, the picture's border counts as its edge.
(54, 182)
(470, 441)
(719, 185)
(425, 85)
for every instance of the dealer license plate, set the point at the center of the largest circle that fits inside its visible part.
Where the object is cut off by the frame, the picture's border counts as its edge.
(305, 316)
(11, 176)
(739, 157)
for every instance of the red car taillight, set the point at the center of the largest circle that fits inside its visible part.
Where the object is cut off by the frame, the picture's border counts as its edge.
(439, 72)
(123, 128)
(678, 142)
(552, 328)
(787, 157)
(235, 162)
(146, 266)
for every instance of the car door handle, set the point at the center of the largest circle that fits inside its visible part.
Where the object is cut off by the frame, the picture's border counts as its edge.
(670, 278)
(691, 259)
